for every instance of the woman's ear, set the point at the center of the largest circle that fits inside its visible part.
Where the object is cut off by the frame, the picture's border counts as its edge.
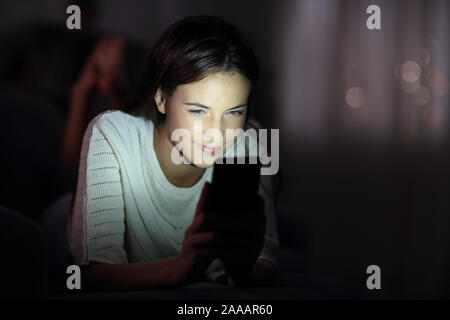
(160, 101)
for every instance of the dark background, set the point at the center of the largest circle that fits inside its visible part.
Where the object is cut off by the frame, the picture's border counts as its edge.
(364, 177)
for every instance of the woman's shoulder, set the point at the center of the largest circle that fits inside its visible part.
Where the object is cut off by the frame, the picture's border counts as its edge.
(121, 124)
(119, 119)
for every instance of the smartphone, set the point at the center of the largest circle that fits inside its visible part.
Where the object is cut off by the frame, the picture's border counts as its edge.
(233, 185)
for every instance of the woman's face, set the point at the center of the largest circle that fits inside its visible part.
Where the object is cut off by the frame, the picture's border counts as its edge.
(218, 102)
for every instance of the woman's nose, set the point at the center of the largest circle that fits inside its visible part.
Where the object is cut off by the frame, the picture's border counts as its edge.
(213, 132)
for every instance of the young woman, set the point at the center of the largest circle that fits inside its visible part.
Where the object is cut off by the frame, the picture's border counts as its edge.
(138, 219)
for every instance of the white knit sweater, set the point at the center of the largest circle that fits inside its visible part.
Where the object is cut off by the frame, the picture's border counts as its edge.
(126, 210)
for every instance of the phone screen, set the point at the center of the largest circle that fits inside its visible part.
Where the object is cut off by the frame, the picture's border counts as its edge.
(233, 184)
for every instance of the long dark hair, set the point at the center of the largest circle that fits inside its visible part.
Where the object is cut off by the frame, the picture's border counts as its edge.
(188, 51)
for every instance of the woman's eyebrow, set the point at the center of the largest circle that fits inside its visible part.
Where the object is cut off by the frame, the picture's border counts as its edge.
(206, 107)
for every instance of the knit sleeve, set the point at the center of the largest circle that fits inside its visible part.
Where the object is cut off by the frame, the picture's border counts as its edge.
(271, 245)
(98, 218)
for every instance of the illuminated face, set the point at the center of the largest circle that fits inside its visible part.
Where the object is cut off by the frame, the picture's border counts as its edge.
(205, 110)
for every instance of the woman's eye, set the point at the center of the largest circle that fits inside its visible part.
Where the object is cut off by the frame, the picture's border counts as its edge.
(196, 111)
(236, 113)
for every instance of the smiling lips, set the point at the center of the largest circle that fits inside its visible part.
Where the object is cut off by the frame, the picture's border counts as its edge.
(210, 150)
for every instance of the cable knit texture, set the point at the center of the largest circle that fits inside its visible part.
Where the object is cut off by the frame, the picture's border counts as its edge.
(126, 210)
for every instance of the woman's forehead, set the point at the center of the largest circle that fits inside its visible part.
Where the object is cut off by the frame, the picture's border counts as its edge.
(220, 89)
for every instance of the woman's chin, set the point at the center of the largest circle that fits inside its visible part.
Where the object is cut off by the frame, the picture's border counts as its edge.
(206, 162)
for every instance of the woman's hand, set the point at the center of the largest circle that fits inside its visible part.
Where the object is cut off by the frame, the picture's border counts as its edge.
(236, 237)
(106, 59)
(198, 249)
(101, 69)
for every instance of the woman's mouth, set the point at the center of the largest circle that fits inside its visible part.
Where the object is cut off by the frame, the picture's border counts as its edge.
(210, 149)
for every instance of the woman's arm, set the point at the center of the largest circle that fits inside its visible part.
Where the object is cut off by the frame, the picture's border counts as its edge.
(195, 256)
(188, 266)
(129, 276)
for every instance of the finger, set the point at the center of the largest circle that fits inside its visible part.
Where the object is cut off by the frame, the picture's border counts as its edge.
(202, 240)
(214, 240)
(199, 223)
